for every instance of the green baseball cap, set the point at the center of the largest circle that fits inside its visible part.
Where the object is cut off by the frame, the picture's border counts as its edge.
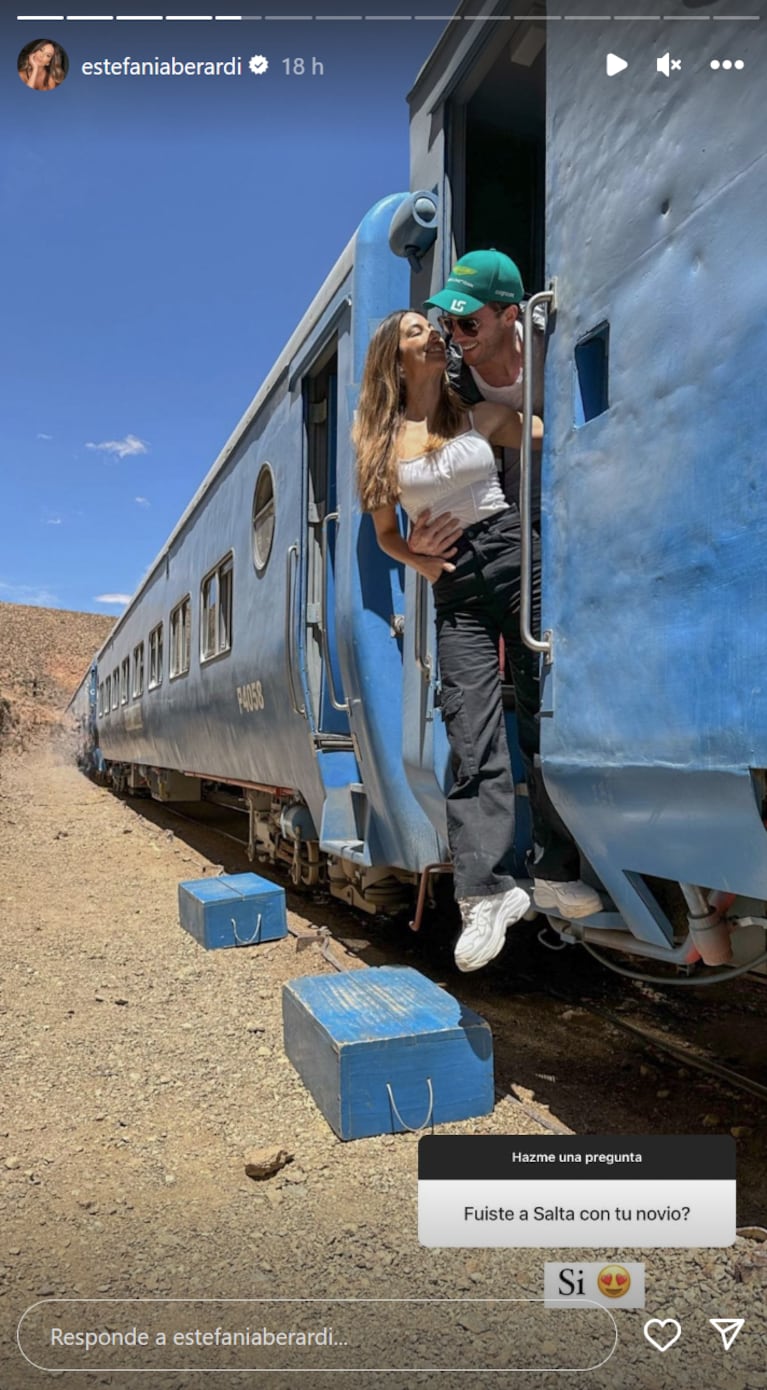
(479, 278)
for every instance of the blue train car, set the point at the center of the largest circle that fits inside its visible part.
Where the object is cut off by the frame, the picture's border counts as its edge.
(261, 650)
(636, 207)
(82, 710)
(272, 647)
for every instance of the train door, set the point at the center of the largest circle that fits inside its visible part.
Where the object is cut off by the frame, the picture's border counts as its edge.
(498, 157)
(93, 678)
(330, 718)
(493, 120)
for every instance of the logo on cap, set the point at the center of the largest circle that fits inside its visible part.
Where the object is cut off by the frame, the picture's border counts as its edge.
(484, 277)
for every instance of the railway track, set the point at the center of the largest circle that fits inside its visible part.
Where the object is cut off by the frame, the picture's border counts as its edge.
(682, 1053)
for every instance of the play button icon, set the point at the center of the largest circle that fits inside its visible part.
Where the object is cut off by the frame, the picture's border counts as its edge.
(615, 64)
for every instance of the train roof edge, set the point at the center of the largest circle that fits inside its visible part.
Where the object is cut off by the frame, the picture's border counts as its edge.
(455, 50)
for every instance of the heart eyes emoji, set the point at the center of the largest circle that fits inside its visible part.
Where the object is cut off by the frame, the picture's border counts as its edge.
(614, 1281)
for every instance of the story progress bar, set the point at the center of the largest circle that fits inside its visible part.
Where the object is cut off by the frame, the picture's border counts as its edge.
(388, 18)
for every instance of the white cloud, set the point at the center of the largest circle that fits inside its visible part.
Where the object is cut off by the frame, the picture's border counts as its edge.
(45, 436)
(53, 521)
(123, 448)
(112, 598)
(142, 501)
(35, 595)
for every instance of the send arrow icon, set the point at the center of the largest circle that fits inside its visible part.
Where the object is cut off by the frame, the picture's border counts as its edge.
(728, 1329)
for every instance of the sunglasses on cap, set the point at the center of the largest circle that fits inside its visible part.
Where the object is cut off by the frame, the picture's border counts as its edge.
(469, 326)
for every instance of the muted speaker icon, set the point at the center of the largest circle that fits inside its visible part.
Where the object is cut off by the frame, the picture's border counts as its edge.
(667, 64)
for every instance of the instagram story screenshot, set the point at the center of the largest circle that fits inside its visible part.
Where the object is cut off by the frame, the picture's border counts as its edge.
(383, 695)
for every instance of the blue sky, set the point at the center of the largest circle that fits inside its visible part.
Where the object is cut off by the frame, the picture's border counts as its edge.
(162, 238)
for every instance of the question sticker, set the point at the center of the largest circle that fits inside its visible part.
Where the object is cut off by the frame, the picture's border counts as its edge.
(576, 1190)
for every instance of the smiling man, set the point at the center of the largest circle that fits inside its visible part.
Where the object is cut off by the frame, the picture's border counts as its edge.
(481, 305)
(481, 318)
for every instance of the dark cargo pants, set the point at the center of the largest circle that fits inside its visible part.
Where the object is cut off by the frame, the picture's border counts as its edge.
(476, 605)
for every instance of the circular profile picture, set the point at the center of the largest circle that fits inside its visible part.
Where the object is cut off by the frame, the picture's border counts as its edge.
(42, 65)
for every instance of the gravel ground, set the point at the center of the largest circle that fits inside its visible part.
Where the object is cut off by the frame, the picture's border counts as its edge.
(139, 1073)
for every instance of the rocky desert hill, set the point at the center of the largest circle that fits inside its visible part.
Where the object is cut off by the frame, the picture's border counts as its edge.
(44, 653)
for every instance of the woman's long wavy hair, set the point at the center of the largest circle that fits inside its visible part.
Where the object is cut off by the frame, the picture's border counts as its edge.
(381, 411)
(56, 69)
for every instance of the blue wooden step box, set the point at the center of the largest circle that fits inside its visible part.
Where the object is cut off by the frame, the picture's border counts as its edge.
(232, 910)
(384, 1050)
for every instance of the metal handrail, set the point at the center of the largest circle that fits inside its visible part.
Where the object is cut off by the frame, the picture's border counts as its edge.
(544, 644)
(342, 707)
(289, 604)
(420, 643)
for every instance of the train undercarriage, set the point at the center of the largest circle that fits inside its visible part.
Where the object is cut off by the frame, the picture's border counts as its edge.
(280, 832)
(715, 935)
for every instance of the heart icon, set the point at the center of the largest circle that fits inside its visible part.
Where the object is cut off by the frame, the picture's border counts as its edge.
(661, 1323)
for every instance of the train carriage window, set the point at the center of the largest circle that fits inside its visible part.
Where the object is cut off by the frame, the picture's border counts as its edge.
(181, 637)
(592, 393)
(138, 670)
(115, 687)
(125, 681)
(107, 694)
(263, 518)
(216, 610)
(101, 698)
(209, 615)
(155, 656)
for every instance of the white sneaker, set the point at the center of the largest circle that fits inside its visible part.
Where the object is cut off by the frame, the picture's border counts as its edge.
(485, 921)
(568, 900)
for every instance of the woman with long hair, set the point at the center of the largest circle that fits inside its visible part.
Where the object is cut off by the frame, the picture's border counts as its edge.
(418, 445)
(42, 65)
